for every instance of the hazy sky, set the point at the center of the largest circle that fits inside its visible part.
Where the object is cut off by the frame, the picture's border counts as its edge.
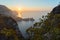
(31, 4)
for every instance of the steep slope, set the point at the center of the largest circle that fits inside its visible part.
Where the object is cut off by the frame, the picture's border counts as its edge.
(9, 29)
(6, 11)
(56, 10)
(48, 28)
(8, 26)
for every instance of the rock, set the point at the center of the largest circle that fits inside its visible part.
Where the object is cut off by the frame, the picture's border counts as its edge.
(56, 10)
(9, 29)
(7, 12)
(8, 26)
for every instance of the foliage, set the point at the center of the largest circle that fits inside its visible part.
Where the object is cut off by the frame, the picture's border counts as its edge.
(49, 28)
(9, 29)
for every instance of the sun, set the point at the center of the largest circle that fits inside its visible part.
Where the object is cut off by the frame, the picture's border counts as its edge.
(16, 8)
(19, 9)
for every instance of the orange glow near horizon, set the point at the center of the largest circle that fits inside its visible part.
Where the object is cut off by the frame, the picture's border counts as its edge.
(18, 10)
(25, 9)
(30, 9)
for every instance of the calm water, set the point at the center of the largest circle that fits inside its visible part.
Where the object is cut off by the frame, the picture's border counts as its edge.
(35, 15)
(24, 25)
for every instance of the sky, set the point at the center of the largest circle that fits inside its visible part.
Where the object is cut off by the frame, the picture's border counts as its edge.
(30, 4)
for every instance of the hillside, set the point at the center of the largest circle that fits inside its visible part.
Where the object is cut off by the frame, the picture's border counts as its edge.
(7, 12)
(48, 28)
(9, 29)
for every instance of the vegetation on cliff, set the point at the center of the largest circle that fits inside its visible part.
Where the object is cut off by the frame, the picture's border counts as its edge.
(8, 26)
(48, 28)
(9, 29)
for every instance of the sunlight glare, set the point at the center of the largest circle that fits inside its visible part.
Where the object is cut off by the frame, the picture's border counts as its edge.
(19, 12)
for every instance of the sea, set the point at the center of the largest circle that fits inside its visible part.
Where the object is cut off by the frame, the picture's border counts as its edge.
(24, 25)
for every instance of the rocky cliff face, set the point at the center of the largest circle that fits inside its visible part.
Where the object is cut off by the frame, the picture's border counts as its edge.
(7, 12)
(56, 10)
(9, 29)
(53, 24)
(8, 26)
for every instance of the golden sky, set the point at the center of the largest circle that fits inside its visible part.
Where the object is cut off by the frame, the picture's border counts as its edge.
(16, 8)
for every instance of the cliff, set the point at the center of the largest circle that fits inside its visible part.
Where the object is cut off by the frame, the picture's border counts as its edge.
(56, 10)
(9, 29)
(48, 28)
(8, 26)
(8, 12)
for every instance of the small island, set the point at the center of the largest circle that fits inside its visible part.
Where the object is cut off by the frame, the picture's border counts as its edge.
(25, 19)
